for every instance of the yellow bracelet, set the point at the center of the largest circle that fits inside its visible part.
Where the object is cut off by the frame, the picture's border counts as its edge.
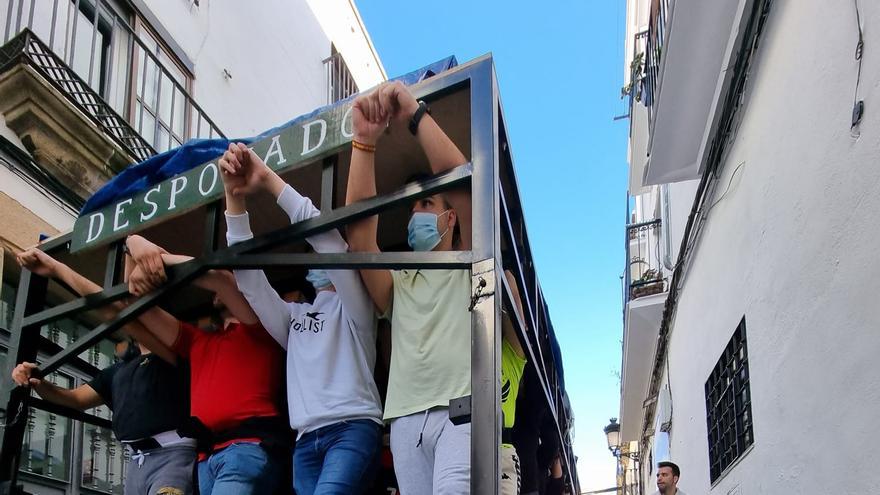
(369, 148)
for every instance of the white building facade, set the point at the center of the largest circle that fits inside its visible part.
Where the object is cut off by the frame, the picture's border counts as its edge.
(88, 87)
(749, 328)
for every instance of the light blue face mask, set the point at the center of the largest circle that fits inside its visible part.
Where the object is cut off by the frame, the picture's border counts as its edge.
(422, 232)
(319, 279)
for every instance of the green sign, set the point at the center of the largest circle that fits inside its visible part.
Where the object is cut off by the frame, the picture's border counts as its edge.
(294, 145)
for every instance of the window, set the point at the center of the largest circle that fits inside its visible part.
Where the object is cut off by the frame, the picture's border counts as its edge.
(7, 304)
(104, 458)
(729, 405)
(160, 103)
(47, 439)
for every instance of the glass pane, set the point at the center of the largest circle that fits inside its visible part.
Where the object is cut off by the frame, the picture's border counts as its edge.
(197, 125)
(150, 82)
(162, 139)
(148, 126)
(7, 305)
(179, 105)
(83, 55)
(165, 91)
(3, 353)
(141, 58)
(46, 447)
(104, 460)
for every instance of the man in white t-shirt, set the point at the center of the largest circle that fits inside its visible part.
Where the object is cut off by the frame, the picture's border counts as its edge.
(667, 479)
(332, 397)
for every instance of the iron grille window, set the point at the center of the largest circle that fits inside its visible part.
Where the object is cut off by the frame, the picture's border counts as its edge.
(729, 405)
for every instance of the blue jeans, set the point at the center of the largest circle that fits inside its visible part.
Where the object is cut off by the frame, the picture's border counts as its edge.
(239, 469)
(334, 459)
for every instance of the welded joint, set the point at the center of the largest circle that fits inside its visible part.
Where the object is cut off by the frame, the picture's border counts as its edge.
(482, 281)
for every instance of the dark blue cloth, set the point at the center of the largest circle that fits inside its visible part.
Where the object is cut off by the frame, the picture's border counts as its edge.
(140, 177)
(335, 459)
(554, 348)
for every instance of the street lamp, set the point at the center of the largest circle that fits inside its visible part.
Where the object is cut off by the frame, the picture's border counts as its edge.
(612, 434)
(624, 470)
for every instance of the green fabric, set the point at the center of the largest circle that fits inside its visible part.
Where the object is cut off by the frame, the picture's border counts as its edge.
(430, 340)
(512, 367)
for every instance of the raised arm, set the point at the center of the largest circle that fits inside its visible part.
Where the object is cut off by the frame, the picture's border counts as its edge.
(222, 283)
(244, 173)
(156, 320)
(274, 313)
(80, 398)
(41, 263)
(443, 155)
(161, 323)
(368, 123)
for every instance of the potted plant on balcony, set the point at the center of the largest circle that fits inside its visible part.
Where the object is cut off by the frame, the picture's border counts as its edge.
(651, 282)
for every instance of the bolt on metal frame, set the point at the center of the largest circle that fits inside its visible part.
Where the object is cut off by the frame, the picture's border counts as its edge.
(496, 215)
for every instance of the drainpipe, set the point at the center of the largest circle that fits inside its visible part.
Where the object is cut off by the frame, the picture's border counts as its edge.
(667, 236)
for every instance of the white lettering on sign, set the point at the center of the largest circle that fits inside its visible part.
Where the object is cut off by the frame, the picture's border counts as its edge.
(346, 116)
(119, 212)
(213, 168)
(275, 149)
(307, 134)
(93, 232)
(153, 204)
(175, 190)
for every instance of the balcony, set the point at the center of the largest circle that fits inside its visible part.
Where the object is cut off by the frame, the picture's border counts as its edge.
(645, 274)
(644, 294)
(687, 47)
(340, 82)
(89, 88)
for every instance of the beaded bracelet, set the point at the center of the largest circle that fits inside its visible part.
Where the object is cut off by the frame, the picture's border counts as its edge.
(369, 148)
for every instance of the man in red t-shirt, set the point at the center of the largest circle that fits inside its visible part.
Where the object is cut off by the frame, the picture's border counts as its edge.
(236, 378)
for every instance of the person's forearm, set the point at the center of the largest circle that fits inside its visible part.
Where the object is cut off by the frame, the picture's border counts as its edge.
(274, 184)
(235, 205)
(215, 281)
(442, 153)
(56, 394)
(84, 286)
(361, 185)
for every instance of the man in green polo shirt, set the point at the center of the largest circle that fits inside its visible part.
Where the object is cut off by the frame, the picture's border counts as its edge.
(428, 309)
(430, 320)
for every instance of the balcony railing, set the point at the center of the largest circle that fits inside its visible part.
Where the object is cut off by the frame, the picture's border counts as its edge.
(120, 77)
(340, 83)
(644, 272)
(654, 43)
(634, 89)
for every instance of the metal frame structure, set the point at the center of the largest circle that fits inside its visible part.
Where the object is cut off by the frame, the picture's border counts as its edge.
(497, 215)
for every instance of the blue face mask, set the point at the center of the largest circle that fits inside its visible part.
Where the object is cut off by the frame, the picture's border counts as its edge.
(318, 279)
(422, 232)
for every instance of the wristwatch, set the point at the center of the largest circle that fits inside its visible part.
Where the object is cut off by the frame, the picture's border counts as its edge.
(417, 117)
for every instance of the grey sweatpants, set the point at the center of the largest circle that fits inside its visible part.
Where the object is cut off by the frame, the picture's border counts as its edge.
(431, 455)
(164, 471)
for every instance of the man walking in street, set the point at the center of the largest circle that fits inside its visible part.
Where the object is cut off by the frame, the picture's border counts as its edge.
(667, 479)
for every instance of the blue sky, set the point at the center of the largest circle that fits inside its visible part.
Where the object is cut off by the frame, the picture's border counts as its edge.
(560, 69)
